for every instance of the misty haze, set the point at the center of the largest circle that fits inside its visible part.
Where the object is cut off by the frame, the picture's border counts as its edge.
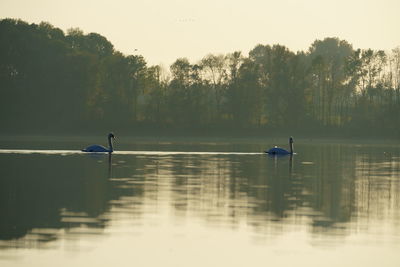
(257, 155)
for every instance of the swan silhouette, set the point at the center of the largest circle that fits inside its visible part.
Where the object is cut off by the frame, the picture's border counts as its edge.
(98, 148)
(280, 151)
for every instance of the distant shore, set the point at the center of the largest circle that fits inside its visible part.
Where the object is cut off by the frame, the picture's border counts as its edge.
(125, 137)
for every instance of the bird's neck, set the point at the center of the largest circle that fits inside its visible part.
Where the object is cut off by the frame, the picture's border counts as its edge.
(291, 147)
(110, 145)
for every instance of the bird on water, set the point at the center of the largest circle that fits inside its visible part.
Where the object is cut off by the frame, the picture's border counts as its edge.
(280, 151)
(99, 148)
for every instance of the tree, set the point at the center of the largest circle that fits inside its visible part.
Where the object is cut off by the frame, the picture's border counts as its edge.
(215, 73)
(328, 76)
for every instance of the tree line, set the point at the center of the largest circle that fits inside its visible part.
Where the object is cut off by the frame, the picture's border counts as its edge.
(55, 81)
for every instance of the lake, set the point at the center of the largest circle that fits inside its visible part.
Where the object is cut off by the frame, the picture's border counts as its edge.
(189, 202)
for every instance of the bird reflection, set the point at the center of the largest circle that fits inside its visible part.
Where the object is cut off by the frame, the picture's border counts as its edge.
(281, 195)
(100, 157)
(279, 158)
(109, 165)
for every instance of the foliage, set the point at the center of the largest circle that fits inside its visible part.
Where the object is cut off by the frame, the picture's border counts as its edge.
(56, 81)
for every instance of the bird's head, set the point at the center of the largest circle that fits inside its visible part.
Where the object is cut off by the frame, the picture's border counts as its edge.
(291, 140)
(111, 135)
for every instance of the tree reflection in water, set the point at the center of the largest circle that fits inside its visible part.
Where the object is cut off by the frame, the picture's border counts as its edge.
(330, 189)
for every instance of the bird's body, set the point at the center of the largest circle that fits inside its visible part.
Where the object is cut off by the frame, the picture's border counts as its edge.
(99, 148)
(280, 151)
(96, 148)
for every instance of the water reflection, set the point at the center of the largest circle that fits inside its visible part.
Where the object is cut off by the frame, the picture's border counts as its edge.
(43, 194)
(330, 190)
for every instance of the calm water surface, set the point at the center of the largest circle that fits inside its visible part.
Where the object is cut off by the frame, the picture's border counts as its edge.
(183, 204)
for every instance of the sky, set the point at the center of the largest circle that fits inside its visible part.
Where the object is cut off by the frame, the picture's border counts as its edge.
(165, 30)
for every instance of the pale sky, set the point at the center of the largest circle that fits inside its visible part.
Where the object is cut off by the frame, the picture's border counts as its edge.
(164, 30)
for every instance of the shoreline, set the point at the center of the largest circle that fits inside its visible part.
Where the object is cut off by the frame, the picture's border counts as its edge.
(196, 139)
